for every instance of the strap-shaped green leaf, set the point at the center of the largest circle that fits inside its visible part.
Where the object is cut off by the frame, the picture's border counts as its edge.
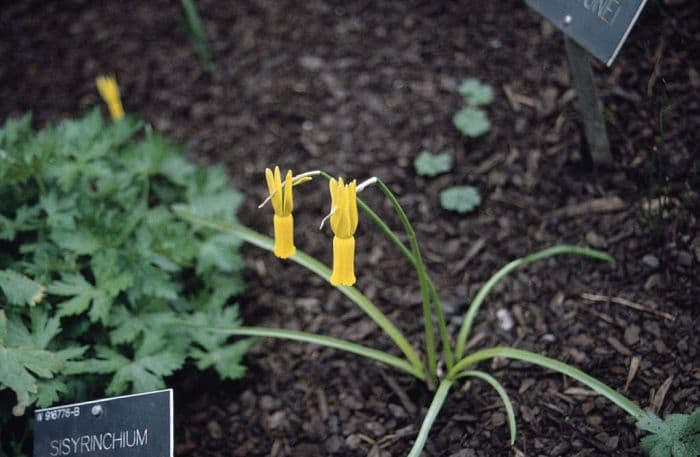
(498, 387)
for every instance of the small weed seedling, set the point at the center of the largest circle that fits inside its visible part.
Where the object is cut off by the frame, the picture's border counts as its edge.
(431, 165)
(461, 199)
(343, 218)
(471, 120)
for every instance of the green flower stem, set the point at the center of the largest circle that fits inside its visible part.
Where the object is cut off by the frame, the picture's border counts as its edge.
(526, 356)
(505, 271)
(493, 382)
(422, 280)
(430, 416)
(387, 231)
(446, 346)
(425, 282)
(442, 326)
(444, 335)
(321, 340)
(305, 260)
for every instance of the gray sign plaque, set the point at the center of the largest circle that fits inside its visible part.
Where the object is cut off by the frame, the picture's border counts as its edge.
(600, 26)
(139, 425)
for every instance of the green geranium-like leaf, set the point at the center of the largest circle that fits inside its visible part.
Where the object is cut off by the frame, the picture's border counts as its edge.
(211, 351)
(475, 92)
(19, 289)
(428, 164)
(461, 199)
(472, 122)
(678, 435)
(22, 365)
(143, 372)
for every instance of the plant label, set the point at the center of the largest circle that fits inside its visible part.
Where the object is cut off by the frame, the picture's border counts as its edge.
(600, 26)
(126, 426)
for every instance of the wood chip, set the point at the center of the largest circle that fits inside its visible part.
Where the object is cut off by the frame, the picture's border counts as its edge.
(489, 163)
(618, 346)
(526, 384)
(596, 205)
(476, 339)
(658, 399)
(516, 100)
(634, 366)
(581, 392)
(322, 404)
(406, 402)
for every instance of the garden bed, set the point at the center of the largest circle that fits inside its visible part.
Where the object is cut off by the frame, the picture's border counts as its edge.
(359, 89)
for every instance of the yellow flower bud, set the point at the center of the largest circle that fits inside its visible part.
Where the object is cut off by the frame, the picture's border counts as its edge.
(109, 91)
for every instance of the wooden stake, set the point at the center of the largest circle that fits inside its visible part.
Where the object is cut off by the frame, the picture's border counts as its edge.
(588, 103)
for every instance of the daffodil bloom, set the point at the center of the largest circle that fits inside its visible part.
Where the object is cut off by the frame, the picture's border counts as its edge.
(343, 223)
(283, 204)
(109, 91)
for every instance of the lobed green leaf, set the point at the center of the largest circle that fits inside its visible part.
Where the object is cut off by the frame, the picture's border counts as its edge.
(428, 164)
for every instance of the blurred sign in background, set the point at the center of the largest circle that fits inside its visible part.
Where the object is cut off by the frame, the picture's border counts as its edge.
(600, 26)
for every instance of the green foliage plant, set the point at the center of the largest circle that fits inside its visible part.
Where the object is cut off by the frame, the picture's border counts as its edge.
(471, 119)
(95, 267)
(678, 435)
(458, 364)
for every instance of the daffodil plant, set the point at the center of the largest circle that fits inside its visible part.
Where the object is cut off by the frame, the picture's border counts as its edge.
(458, 364)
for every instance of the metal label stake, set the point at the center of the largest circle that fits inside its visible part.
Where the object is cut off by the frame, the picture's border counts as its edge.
(600, 27)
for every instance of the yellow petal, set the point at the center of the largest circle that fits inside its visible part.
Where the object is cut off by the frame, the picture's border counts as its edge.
(274, 189)
(334, 191)
(284, 236)
(278, 178)
(288, 198)
(352, 205)
(333, 188)
(343, 262)
(343, 207)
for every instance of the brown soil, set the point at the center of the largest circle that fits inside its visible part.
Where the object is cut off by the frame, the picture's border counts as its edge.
(359, 89)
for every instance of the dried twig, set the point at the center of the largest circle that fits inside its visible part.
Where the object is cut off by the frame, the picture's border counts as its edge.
(595, 205)
(629, 304)
(657, 66)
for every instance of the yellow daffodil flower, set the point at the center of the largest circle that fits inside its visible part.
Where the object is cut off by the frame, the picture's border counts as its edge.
(109, 91)
(343, 223)
(282, 203)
